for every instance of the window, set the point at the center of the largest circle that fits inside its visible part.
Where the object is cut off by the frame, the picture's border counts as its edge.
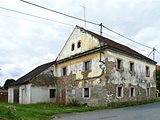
(79, 44)
(64, 71)
(119, 63)
(86, 92)
(131, 66)
(72, 47)
(148, 92)
(132, 92)
(52, 93)
(147, 71)
(119, 91)
(87, 66)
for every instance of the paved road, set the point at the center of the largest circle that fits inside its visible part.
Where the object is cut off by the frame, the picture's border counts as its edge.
(141, 112)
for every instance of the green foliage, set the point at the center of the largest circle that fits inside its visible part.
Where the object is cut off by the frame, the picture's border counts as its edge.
(12, 113)
(74, 102)
(158, 78)
(7, 83)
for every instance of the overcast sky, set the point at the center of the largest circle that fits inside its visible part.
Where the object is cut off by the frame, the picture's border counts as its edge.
(26, 42)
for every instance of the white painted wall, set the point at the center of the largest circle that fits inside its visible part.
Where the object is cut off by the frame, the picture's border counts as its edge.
(11, 95)
(25, 94)
(40, 94)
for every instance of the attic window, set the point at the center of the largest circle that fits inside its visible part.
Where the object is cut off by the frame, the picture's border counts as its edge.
(79, 44)
(72, 47)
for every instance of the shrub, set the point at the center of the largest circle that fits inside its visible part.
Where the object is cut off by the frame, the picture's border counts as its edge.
(74, 102)
(12, 113)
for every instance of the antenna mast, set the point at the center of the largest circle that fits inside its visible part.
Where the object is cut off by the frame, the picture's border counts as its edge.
(84, 14)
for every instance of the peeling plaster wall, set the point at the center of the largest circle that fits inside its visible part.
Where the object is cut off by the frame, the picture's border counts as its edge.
(103, 85)
(88, 42)
(76, 66)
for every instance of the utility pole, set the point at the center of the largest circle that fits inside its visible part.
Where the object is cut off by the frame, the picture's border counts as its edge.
(154, 53)
(100, 59)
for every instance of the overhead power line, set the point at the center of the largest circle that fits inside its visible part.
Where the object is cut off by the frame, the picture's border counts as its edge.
(126, 37)
(84, 21)
(60, 13)
(35, 16)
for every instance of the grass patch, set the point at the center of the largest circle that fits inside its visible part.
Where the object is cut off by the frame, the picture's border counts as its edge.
(44, 111)
(157, 99)
(41, 111)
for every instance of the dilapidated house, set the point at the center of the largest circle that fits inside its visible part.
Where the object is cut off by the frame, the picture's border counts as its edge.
(96, 71)
(34, 86)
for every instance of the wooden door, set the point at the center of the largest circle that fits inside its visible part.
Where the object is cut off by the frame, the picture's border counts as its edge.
(63, 96)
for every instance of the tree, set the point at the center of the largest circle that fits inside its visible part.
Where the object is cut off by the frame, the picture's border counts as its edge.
(7, 83)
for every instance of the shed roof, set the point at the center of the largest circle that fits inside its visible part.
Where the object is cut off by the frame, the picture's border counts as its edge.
(33, 73)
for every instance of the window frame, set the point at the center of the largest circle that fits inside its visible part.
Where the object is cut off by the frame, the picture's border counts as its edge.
(147, 70)
(52, 93)
(119, 67)
(117, 94)
(130, 92)
(89, 93)
(62, 71)
(87, 65)
(131, 66)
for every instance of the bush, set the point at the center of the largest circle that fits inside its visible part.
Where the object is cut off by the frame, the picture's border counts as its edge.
(12, 113)
(74, 102)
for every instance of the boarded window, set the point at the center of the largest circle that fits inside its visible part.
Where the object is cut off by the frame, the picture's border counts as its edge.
(64, 71)
(147, 71)
(119, 64)
(86, 93)
(52, 93)
(87, 66)
(131, 66)
(132, 92)
(119, 91)
(72, 47)
(79, 44)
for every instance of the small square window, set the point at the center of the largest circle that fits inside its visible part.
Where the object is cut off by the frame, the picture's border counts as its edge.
(119, 64)
(119, 91)
(87, 66)
(64, 71)
(86, 93)
(52, 93)
(131, 66)
(132, 92)
(147, 71)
